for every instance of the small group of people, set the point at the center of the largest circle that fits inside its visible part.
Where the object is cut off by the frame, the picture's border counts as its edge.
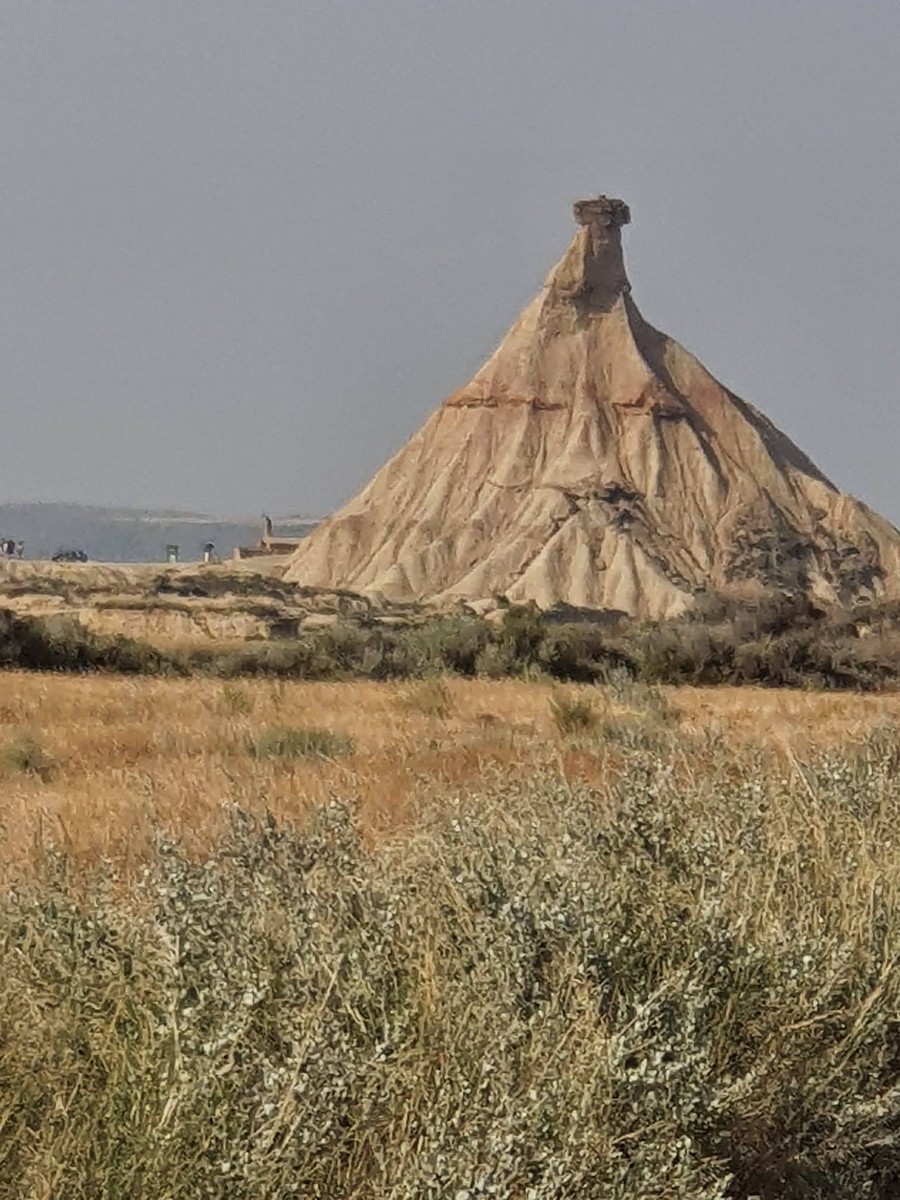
(10, 548)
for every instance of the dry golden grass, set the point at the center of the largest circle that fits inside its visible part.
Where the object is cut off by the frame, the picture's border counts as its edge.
(469, 969)
(793, 719)
(121, 757)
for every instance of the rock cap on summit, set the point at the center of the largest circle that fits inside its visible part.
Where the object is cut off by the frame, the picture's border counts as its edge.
(602, 210)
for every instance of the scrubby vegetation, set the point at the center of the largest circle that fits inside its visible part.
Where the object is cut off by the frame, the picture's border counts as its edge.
(776, 642)
(300, 743)
(573, 714)
(62, 644)
(473, 931)
(685, 988)
(25, 755)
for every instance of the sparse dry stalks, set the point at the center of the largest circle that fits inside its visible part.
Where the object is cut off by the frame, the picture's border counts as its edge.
(430, 696)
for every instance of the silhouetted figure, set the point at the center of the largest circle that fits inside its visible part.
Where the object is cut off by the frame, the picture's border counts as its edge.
(267, 528)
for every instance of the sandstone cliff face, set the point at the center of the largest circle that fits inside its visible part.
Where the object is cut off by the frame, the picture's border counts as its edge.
(594, 461)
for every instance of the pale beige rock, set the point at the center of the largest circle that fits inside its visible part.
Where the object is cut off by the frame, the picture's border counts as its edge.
(594, 461)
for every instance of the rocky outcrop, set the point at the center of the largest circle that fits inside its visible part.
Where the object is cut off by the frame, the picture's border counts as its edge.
(593, 461)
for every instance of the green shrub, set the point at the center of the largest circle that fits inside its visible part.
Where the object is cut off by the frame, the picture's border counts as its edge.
(62, 644)
(278, 660)
(651, 701)
(680, 652)
(493, 662)
(446, 644)
(820, 650)
(573, 714)
(301, 743)
(634, 732)
(234, 701)
(582, 653)
(520, 636)
(25, 755)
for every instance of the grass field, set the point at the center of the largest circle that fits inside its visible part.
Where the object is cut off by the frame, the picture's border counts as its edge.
(447, 938)
(96, 764)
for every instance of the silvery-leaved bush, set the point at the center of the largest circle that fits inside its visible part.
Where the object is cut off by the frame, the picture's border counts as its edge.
(677, 988)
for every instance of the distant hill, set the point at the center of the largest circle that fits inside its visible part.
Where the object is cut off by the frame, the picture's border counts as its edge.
(130, 534)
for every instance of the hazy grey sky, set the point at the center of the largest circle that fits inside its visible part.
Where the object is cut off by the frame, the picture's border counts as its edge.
(248, 247)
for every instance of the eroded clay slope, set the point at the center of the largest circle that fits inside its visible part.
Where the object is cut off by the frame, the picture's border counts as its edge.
(594, 461)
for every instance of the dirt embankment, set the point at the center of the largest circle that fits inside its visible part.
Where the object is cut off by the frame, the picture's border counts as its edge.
(169, 605)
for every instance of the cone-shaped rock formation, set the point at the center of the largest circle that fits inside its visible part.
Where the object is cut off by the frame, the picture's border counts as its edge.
(595, 462)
